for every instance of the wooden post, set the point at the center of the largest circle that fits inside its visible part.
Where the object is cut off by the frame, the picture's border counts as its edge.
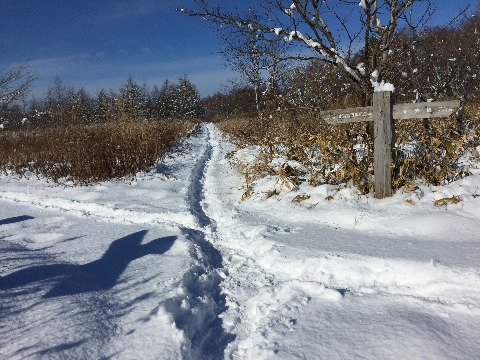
(384, 140)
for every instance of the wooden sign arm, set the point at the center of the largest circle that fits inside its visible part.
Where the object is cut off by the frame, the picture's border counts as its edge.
(426, 110)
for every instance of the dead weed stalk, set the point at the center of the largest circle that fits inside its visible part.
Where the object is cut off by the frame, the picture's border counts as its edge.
(89, 154)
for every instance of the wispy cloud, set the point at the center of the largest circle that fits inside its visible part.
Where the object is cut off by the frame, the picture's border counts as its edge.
(51, 66)
(125, 9)
(96, 71)
(54, 66)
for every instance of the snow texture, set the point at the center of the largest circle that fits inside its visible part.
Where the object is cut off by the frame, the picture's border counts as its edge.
(310, 42)
(380, 86)
(174, 266)
(361, 68)
(277, 31)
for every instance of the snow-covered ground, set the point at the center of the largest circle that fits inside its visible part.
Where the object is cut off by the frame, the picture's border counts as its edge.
(173, 265)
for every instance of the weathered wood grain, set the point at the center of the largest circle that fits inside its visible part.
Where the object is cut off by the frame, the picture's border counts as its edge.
(427, 110)
(383, 143)
(344, 116)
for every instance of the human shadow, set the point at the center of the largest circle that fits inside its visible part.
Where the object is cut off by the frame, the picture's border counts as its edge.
(16, 219)
(101, 274)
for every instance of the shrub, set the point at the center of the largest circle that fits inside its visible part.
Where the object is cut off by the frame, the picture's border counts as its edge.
(313, 151)
(88, 154)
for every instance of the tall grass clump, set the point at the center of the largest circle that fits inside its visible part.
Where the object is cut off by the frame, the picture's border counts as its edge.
(89, 154)
(299, 147)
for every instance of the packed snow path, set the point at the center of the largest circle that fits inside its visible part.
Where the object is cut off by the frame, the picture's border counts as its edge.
(173, 265)
(73, 287)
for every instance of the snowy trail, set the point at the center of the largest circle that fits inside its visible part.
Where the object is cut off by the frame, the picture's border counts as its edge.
(191, 301)
(174, 265)
(198, 308)
(272, 283)
(177, 297)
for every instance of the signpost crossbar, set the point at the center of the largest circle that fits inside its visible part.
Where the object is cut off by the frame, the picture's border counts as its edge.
(400, 111)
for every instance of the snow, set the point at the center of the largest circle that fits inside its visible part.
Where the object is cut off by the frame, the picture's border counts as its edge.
(361, 68)
(174, 265)
(383, 86)
(289, 11)
(340, 60)
(294, 34)
(380, 86)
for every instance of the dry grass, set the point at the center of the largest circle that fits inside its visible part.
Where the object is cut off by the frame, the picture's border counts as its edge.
(89, 154)
(337, 154)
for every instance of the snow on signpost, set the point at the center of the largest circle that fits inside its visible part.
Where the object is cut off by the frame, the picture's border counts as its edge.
(382, 113)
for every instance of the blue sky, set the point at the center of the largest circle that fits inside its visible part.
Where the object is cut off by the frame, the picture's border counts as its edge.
(100, 43)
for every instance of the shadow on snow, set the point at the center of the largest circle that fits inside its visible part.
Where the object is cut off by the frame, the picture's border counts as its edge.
(16, 219)
(98, 275)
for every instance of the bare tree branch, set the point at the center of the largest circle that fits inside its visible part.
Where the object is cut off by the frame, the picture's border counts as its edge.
(311, 24)
(15, 82)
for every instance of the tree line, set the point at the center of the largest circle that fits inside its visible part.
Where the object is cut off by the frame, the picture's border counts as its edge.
(64, 105)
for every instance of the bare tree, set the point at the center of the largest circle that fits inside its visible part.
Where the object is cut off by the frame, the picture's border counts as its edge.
(15, 82)
(439, 64)
(260, 61)
(317, 85)
(234, 99)
(334, 31)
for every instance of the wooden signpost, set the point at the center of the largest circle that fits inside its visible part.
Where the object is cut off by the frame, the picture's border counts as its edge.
(382, 113)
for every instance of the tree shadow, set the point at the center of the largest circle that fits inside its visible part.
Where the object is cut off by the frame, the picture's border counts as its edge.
(98, 275)
(59, 348)
(16, 219)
